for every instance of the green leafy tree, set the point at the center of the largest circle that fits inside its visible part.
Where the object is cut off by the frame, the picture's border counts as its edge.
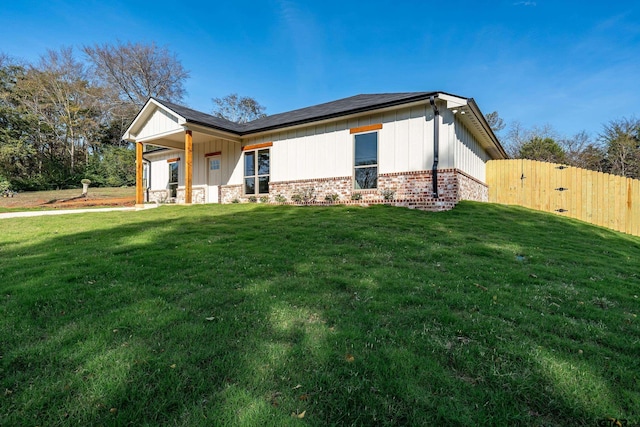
(543, 149)
(112, 166)
(18, 148)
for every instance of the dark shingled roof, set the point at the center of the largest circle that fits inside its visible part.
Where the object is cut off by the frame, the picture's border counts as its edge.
(341, 107)
(201, 118)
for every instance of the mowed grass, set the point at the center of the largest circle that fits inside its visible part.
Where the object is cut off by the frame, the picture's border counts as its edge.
(272, 315)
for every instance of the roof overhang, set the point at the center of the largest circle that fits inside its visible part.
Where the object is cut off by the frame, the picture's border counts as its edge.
(467, 111)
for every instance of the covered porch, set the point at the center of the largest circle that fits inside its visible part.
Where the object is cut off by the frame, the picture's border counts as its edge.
(206, 159)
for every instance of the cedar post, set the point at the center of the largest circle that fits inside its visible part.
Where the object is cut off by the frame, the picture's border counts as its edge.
(139, 189)
(188, 166)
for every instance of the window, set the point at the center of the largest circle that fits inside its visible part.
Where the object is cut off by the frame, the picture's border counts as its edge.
(256, 172)
(366, 161)
(214, 164)
(173, 179)
(145, 175)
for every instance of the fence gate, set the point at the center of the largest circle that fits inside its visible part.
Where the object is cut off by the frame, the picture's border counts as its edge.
(599, 198)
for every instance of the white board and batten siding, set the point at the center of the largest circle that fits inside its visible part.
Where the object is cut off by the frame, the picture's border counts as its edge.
(160, 122)
(160, 168)
(229, 161)
(312, 152)
(469, 155)
(405, 143)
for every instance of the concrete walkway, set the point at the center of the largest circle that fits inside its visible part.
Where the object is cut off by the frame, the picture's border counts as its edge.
(68, 211)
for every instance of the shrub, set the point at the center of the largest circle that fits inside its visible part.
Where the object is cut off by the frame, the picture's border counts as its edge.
(253, 199)
(264, 199)
(304, 195)
(388, 193)
(5, 185)
(235, 201)
(280, 198)
(356, 196)
(332, 198)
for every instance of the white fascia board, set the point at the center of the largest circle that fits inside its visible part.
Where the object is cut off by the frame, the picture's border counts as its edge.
(453, 101)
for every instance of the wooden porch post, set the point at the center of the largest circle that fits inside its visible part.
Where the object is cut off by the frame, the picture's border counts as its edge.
(139, 189)
(188, 167)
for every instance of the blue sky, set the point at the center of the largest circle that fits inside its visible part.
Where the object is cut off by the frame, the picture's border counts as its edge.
(574, 65)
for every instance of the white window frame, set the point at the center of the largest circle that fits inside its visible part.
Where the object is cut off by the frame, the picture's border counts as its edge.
(256, 176)
(376, 165)
(172, 183)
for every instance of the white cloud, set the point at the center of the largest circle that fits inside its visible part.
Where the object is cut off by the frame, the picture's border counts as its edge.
(525, 3)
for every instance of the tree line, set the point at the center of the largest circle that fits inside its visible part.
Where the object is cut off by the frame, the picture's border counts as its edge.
(615, 150)
(62, 118)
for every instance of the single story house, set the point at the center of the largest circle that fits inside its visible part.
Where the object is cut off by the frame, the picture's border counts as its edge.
(423, 150)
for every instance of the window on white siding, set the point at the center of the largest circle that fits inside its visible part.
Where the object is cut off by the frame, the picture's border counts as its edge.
(256, 172)
(366, 161)
(173, 179)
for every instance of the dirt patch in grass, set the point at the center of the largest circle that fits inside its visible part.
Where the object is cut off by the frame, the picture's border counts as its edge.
(70, 199)
(91, 202)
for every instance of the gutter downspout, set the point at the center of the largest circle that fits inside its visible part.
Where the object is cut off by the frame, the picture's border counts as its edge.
(436, 145)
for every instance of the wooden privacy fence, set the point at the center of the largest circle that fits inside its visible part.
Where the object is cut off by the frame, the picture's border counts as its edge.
(599, 198)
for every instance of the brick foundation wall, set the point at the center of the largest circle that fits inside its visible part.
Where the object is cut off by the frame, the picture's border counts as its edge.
(197, 195)
(472, 189)
(160, 196)
(315, 190)
(406, 189)
(229, 193)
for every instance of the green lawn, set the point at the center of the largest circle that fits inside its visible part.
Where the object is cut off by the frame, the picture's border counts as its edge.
(271, 315)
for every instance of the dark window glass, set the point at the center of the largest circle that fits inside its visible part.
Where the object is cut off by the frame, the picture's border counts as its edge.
(263, 162)
(249, 164)
(173, 172)
(366, 178)
(173, 179)
(263, 184)
(250, 186)
(367, 149)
